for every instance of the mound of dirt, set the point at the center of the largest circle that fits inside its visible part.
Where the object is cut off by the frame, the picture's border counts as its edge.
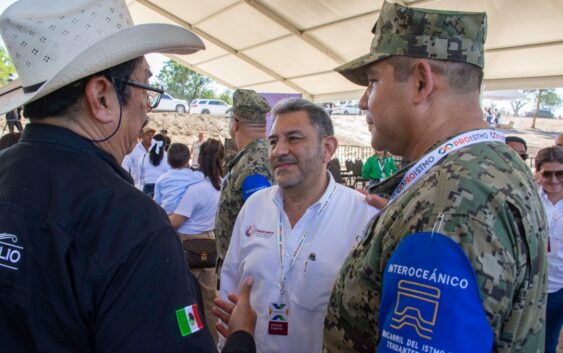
(349, 130)
(184, 128)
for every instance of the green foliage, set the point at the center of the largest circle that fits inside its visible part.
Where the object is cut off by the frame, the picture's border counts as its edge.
(550, 98)
(6, 67)
(226, 96)
(547, 98)
(182, 82)
(207, 93)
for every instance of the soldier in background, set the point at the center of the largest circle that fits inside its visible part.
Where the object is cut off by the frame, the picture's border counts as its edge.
(249, 171)
(457, 260)
(231, 150)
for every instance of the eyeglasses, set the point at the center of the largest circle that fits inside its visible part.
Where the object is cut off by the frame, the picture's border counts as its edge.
(524, 156)
(548, 174)
(154, 93)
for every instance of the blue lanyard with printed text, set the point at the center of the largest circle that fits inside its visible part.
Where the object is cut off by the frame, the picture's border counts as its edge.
(420, 168)
(300, 243)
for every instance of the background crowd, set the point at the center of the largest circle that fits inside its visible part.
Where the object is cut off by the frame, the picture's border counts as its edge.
(116, 238)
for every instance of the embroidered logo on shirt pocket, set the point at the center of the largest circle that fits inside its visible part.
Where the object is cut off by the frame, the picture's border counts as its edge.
(251, 230)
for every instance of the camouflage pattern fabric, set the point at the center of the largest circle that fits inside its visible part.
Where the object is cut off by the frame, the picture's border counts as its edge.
(422, 33)
(249, 105)
(253, 159)
(491, 208)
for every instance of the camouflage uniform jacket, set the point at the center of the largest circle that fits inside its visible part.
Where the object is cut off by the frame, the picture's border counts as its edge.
(253, 159)
(492, 209)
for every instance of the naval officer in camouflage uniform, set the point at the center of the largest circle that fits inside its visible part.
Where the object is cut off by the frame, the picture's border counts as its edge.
(249, 171)
(457, 261)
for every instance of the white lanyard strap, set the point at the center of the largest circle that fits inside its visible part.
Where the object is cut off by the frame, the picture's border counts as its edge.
(417, 171)
(380, 166)
(301, 241)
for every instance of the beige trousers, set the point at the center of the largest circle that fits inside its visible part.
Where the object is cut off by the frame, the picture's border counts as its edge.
(207, 279)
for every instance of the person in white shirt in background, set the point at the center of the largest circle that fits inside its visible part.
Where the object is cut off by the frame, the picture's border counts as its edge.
(293, 238)
(171, 186)
(152, 165)
(195, 151)
(549, 170)
(194, 219)
(131, 161)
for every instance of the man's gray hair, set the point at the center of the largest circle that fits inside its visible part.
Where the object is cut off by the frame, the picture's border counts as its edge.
(317, 115)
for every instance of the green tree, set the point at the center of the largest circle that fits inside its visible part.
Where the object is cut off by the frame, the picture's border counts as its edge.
(226, 96)
(548, 98)
(6, 67)
(208, 93)
(184, 83)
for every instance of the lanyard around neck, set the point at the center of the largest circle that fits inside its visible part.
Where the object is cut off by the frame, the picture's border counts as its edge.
(420, 168)
(301, 241)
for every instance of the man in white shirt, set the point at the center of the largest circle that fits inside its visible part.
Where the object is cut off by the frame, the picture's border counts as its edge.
(292, 238)
(131, 161)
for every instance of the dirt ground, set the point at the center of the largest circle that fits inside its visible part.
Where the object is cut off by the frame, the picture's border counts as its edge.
(184, 128)
(350, 130)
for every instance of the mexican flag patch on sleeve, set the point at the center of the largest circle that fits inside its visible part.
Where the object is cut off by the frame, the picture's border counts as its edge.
(189, 320)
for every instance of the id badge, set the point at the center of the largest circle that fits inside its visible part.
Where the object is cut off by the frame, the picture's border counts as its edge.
(278, 318)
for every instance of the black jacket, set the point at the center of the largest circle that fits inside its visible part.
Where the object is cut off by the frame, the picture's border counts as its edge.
(87, 262)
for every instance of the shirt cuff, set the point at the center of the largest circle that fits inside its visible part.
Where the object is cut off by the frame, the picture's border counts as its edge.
(240, 342)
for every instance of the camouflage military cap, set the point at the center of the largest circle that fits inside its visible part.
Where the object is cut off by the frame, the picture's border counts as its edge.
(422, 33)
(249, 105)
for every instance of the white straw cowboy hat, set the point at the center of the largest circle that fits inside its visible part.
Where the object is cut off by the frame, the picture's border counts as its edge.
(53, 43)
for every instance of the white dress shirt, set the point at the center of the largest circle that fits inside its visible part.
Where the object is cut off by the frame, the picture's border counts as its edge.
(254, 251)
(554, 215)
(199, 204)
(131, 161)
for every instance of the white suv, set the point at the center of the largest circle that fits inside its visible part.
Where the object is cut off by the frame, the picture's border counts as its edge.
(167, 103)
(208, 106)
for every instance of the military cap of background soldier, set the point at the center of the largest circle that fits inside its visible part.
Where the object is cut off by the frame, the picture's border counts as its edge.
(249, 105)
(422, 33)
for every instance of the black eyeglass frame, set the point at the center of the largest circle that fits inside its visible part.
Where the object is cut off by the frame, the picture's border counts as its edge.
(158, 90)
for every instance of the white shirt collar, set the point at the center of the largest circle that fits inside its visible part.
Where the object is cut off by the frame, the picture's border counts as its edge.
(278, 194)
(548, 202)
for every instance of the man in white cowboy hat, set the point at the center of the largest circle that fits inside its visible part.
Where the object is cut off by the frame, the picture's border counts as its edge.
(87, 262)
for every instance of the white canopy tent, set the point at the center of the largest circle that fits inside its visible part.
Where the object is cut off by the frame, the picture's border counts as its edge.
(292, 46)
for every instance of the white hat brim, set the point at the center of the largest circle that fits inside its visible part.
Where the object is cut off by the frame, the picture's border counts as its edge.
(113, 50)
